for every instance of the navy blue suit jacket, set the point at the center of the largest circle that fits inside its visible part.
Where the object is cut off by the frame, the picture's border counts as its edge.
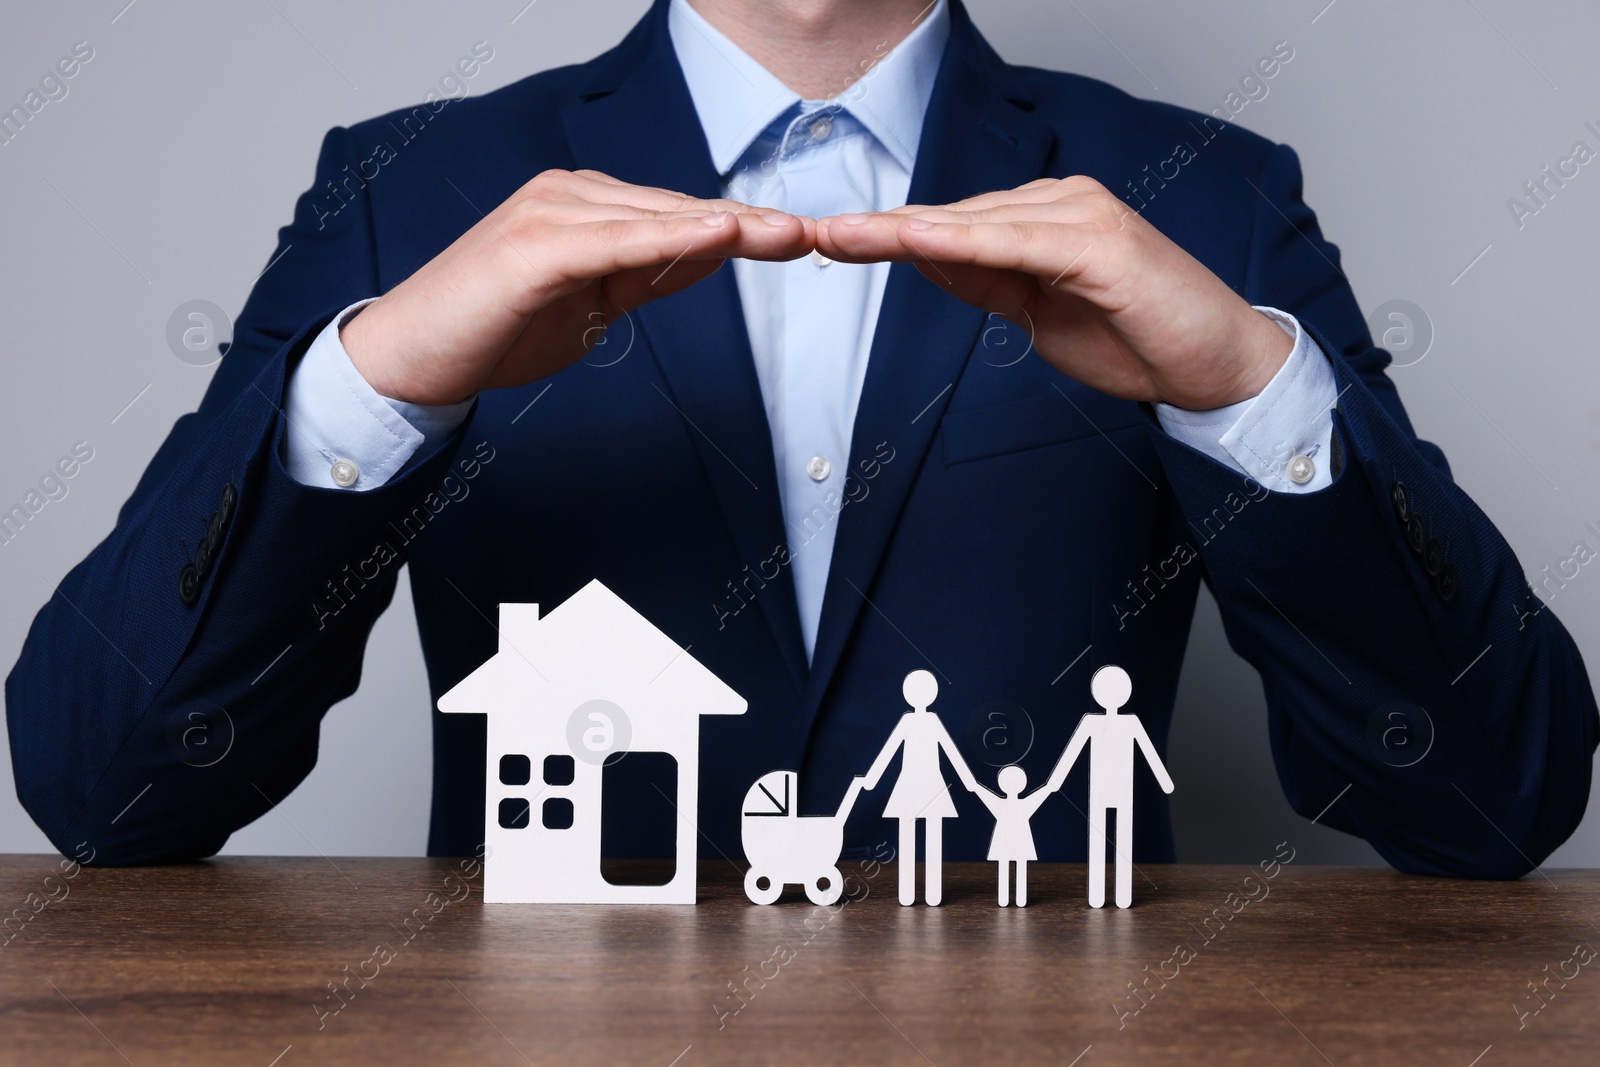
(1002, 520)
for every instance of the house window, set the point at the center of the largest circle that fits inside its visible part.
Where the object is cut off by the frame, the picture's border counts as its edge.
(558, 770)
(515, 770)
(557, 814)
(514, 813)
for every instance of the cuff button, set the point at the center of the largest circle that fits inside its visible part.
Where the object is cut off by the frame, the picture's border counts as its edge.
(189, 585)
(1416, 532)
(1402, 502)
(230, 497)
(1445, 583)
(344, 473)
(1433, 558)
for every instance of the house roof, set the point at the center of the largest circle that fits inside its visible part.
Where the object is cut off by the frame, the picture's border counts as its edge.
(593, 640)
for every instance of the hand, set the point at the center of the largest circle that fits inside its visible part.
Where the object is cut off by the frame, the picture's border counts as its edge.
(530, 288)
(1106, 297)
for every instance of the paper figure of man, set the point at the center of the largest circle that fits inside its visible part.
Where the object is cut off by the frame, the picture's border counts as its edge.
(1110, 778)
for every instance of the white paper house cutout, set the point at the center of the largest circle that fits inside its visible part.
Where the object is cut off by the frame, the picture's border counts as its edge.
(591, 679)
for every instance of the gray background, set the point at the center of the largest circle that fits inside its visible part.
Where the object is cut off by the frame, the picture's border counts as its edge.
(181, 146)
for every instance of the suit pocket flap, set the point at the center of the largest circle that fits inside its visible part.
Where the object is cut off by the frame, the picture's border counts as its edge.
(1034, 422)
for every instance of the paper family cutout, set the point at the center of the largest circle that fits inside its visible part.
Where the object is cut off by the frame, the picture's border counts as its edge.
(593, 680)
(920, 792)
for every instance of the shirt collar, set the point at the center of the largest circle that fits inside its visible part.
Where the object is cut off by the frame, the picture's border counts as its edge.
(737, 98)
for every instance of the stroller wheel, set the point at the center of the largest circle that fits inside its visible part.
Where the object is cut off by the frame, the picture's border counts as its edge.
(825, 888)
(760, 888)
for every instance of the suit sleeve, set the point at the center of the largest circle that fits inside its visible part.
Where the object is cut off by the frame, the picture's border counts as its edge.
(172, 688)
(1412, 690)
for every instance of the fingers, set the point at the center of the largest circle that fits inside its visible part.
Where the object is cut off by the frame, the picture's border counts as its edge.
(776, 236)
(1050, 250)
(577, 211)
(595, 249)
(628, 289)
(862, 238)
(1005, 292)
(596, 188)
(588, 224)
(1074, 189)
(1074, 201)
(878, 237)
(850, 238)
(1109, 216)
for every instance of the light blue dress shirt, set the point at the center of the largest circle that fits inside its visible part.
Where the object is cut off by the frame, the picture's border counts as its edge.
(810, 321)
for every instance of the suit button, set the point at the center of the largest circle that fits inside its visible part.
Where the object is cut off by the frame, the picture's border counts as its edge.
(1402, 502)
(1444, 583)
(230, 497)
(1416, 532)
(189, 585)
(214, 529)
(204, 556)
(1432, 557)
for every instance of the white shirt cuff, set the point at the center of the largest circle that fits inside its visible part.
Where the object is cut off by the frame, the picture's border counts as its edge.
(1283, 436)
(334, 415)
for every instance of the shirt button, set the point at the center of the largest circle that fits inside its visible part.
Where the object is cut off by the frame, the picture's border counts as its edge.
(819, 468)
(821, 128)
(1301, 470)
(818, 258)
(344, 473)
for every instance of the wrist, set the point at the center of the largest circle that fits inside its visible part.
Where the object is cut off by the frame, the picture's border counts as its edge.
(356, 335)
(1264, 347)
(1255, 352)
(370, 347)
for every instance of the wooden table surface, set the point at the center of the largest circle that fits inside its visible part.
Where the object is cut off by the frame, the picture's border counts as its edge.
(230, 962)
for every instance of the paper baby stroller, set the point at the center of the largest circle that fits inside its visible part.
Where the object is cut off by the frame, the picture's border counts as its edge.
(785, 847)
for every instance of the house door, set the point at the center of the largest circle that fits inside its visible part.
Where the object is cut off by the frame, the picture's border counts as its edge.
(639, 822)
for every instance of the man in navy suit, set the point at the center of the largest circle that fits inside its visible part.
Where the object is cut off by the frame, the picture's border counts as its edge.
(1001, 435)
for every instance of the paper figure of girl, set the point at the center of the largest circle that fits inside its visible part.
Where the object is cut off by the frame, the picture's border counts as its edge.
(920, 792)
(1013, 836)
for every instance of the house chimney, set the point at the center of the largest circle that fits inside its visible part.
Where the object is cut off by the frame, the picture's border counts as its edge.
(517, 622)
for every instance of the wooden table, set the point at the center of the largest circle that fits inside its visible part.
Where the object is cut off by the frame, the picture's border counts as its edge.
(230, 962)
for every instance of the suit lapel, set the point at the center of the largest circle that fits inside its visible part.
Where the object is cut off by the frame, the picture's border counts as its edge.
(637, 122)
(978, 136)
